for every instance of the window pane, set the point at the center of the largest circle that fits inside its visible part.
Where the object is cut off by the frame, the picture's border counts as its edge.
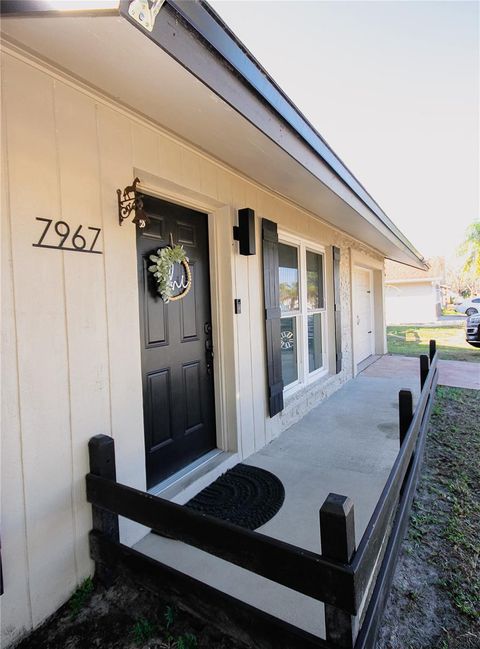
(314, 280)
(315, 356)
(288, 277)
(288, 346)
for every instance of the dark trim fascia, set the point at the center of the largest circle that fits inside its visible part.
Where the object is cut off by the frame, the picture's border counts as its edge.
(206, 22)
(206, 26)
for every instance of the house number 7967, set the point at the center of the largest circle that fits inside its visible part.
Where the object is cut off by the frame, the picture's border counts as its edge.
(61, 234)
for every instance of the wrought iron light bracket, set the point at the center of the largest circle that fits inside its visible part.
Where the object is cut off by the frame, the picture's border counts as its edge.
(130, 200)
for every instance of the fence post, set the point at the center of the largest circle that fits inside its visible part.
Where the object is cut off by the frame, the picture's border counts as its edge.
(432, 349)
(101, 451)
(405, 412)
(424, 368)
(337, 535)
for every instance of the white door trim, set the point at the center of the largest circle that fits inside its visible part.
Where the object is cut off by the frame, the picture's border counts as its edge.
(220, 224)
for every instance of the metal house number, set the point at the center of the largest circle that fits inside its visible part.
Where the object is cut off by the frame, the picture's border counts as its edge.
(60, 235)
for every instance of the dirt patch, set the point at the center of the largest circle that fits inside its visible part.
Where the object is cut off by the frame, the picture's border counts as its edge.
(123, 617)
(435, 599)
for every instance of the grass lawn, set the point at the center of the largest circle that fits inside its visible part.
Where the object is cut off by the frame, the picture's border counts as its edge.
(450, 310)
(435, 600)
(413, 340)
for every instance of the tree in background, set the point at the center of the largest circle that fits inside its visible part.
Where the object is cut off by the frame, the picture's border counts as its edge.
(460, 282)
(463, 275)
(471, 248)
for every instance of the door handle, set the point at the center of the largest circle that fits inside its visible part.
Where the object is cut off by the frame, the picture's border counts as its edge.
(358, 319)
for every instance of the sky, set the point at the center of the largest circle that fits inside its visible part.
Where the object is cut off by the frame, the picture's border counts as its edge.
(393, 87)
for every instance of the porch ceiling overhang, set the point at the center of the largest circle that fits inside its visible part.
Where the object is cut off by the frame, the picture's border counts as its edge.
(191, 76)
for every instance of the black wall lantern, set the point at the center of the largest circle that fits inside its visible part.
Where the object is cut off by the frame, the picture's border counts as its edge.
(244, 232)
(131, 200)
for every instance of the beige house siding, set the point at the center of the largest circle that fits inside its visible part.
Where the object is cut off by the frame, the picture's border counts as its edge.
(70, 336)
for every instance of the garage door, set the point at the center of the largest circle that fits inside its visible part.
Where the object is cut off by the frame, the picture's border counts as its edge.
(362, 316)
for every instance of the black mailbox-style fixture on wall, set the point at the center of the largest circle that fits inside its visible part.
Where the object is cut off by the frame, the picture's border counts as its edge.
(131, 200)
(244, 232)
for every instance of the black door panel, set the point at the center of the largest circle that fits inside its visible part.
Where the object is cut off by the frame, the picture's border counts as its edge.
(178, 401)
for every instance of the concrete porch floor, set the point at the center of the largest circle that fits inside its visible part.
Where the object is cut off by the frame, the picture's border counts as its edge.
(346, 445)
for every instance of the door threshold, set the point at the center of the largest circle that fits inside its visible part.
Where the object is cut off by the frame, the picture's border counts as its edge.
(186, 483)
(373, 358)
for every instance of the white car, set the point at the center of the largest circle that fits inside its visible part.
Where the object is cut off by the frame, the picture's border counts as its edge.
(469, 307)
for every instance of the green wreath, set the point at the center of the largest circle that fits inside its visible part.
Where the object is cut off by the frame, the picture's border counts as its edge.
(164, 261)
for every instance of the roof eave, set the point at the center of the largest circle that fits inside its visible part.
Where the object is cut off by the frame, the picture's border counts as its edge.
(209, 25)
(269, 110)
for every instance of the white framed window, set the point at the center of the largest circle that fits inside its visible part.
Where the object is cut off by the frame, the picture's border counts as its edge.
(303, 311)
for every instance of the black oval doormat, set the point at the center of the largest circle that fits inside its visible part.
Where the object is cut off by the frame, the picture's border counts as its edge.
(244, 495)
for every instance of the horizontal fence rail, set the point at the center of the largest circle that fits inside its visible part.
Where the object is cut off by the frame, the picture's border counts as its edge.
(367, 635)
(374, 534)
(286, 564)
(353, 584)
(214, 606)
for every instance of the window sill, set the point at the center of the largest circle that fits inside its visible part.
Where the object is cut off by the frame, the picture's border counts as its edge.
(291, 394)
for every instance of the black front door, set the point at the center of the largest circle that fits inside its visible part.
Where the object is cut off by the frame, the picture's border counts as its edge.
(178, 400)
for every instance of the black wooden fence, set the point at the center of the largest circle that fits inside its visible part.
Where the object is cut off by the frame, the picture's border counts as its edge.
(352, 583)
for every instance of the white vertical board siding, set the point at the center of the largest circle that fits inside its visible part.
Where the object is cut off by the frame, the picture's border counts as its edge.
(169, 159)
(208, 179)
(144, 148)
(224, 333)
(121, 289)
(41, 338)
(72, 319)
(191, 177)
(15, 607)
(245, 387)
(256, 332)
(85, 315)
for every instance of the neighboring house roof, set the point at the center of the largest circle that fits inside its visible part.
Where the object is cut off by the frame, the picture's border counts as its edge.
(197, 38)
(395, 272)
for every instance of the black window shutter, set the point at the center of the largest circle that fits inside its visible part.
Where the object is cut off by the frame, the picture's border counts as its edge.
(336, 308)
(272, 316)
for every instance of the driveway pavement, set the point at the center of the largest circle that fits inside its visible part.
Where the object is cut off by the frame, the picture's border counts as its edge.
(458, 318)
(456, 374)
(442, 321)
